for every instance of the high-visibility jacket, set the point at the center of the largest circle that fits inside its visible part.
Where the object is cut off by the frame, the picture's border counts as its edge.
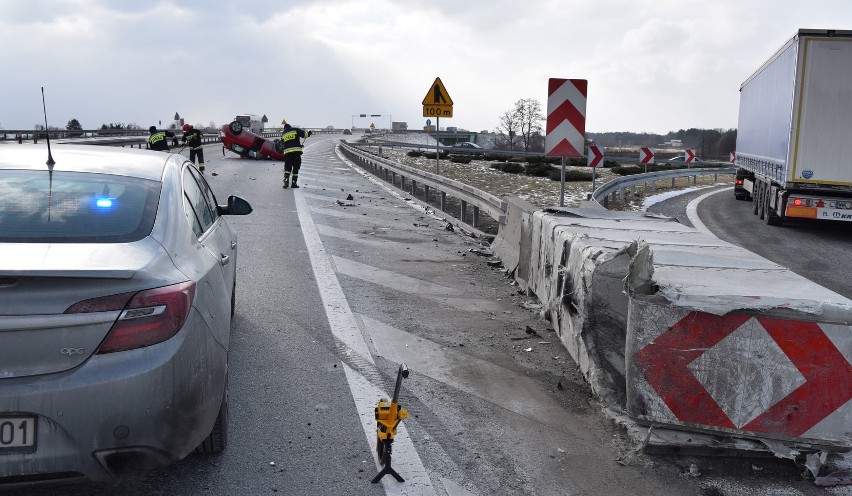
(291, 138)
(157, 141)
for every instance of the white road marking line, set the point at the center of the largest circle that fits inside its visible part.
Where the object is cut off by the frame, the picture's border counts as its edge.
(692, 212)
(343, 325)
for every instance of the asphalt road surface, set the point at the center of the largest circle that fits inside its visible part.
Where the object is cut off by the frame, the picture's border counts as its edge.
(334, 293)
(817, 250)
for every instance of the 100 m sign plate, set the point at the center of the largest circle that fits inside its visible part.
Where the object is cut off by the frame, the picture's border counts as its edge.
(17, 433)
(437, 111)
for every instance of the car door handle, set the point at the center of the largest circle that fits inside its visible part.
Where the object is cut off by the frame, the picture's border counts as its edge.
(225, 259)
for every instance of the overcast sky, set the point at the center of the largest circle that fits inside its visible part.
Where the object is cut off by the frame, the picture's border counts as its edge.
(652, 65)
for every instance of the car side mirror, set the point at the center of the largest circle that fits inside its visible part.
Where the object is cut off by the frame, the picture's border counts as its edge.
(236, 206)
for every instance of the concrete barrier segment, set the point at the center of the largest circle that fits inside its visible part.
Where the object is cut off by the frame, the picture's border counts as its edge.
(512, 243)
(680, 329)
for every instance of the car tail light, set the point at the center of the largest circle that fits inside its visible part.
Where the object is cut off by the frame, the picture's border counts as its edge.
(149, 317)
(739, 182)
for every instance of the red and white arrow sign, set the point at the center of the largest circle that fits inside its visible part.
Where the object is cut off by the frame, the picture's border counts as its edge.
(566, 117)
(595, 157)
(646, 155)
(817, 375)
(733, 157)
(690, 156)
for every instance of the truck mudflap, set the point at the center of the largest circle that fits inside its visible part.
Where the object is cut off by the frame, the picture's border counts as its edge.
(811, 207)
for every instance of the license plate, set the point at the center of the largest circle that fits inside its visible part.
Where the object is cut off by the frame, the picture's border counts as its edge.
(17, 433)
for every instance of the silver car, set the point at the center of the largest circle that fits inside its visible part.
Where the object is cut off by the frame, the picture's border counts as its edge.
(117, 288)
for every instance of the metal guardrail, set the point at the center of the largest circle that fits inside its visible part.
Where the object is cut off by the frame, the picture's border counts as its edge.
(621, 185)
(477, 199)
(133, 139)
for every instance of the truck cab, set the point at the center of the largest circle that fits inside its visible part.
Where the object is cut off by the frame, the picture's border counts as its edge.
(250, 122)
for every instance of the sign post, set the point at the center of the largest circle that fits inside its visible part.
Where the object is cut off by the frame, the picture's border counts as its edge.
(566, 122)
(437, 103)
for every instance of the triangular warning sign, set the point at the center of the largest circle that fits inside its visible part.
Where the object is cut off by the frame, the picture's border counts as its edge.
(437, 94)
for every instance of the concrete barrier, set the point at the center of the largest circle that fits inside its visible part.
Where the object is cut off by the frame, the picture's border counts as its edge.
(682, 330)
(513, 241)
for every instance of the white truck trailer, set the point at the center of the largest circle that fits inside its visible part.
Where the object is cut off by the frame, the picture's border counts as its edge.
(794, 135)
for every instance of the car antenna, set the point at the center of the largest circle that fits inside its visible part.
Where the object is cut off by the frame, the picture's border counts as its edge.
(50, 162)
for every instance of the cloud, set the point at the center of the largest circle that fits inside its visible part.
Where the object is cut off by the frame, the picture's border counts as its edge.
(652, 65)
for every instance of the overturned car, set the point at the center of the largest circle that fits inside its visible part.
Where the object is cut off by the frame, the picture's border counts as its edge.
(240, 140)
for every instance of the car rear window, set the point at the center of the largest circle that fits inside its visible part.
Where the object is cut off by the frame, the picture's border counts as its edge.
(75, 207)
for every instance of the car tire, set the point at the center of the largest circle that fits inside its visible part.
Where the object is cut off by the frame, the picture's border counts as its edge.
(234, 298)
(235, 127)
(217, 440)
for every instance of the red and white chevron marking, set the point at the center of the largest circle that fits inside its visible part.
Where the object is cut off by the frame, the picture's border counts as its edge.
(566, 117)
(646, 155)
(596, 156)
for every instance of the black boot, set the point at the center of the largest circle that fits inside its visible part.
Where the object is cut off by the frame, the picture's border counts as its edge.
(294, 182)
(287, 180)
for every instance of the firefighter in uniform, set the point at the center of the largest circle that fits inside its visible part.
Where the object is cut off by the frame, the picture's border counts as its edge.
(157, 140)
(192, 138)
(291, 140)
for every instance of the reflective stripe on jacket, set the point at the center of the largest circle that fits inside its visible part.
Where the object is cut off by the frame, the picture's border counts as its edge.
(157, 137)
(291, 140)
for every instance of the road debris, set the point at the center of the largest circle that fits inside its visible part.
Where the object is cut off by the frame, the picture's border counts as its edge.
(838, 478)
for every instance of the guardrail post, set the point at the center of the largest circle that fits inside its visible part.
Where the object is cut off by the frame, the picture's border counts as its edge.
(463, 211)
(413, 187)
(621, 193)
(476, 217)
(427, 193)
(654, 185)
(673, 182)
(443, 201)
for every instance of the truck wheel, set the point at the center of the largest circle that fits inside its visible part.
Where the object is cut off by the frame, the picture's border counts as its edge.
(769, 216)
(755, 198)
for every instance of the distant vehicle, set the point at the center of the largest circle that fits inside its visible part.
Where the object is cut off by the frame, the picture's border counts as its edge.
(467, 144)
(682, 158)
(793, 132)
(347, 131)
(250, 122)
(117, 299)
(246, 144)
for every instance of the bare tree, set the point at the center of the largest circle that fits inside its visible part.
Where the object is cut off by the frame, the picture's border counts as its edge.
(507, 131)
(529, 117)
(520, 125)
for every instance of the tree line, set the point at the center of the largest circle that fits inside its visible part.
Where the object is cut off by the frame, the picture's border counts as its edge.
(520, 129)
